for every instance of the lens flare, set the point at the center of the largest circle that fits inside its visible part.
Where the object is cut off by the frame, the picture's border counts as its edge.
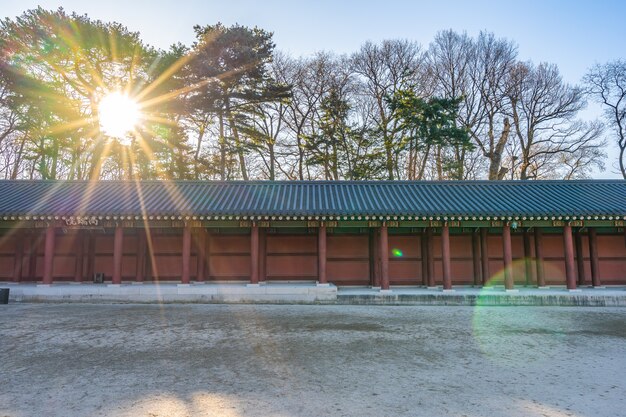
(118, 115)
(397, 253)
(494, 328)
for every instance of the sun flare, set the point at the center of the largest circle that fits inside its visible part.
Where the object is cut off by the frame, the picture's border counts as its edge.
(118, 115)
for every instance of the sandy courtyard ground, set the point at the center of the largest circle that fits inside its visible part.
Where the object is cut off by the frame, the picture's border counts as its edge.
(262, 360)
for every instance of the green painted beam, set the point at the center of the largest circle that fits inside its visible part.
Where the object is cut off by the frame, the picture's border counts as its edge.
(344, 224)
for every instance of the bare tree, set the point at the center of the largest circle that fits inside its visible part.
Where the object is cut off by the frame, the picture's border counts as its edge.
(264, 128)
(310, 81)
(543, 110)
(476, 70)
(383, 70)
(607, 84)
(229, 107)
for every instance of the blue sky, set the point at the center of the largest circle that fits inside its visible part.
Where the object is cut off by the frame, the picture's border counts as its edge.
(572, 34)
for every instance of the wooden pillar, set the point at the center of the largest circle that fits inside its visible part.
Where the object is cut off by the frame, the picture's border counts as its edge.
(200, 253)
(570, 266)
(186, 272)
(263, 255)
(80, 261)
(140, 266)
(430, 257)
(118, 245)
(321, 254)
(424, 254)
(445, 257)
(152, 272)
(484, 255)
(593, 254)
(508, 257)
(528, 265)
(384, 258)
(580, 257)
(91, 256)
(207, 255)
(254, 254)
(476, 258)
(48, 256)
(541, 280)
(31, 261)
(374, 258)
(371, 251)
(19, 256)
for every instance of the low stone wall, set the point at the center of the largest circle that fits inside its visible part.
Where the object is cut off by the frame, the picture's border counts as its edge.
(468, 296)
(312, 293)
(486, 300)
(173, 293)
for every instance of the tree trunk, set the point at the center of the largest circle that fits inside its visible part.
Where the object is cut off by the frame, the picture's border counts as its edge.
(439, 164)
(270, 148)
(300, 156)
(96, 162)
(335, 170)
(18, 159)
(495, 156)
(621, 161)
(240, 153)
(420, 175)
(389, 158)
(222, 141)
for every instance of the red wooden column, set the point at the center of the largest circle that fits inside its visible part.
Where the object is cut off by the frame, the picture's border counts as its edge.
(484, 255)
(445, 257)
(384, 258)
(570, 266)
(19, 256)
(152, 271)
(370, 258)
(80, 262)
(424, 256)
(541, 280)
(376, 258)
(262, 255)
(48, 256)
(254, 254)
(593, 254)
(91, 256)
(508, 257)
(200, 253)
(374, 254)
(528, 269)
(118, 245)
(186, 272)
(31, 262)
(430, 257)
(140, 266)
(207, 255)
(321, 255)
(580, 257)
(476, 257)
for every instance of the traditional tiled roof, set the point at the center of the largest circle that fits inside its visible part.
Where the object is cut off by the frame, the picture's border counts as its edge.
(315, 198)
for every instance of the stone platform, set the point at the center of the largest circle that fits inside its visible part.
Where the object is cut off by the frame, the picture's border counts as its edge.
(172, 293)
(310, 292)
(493, 296)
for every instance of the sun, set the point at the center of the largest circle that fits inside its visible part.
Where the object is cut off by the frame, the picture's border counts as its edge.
(119, 115)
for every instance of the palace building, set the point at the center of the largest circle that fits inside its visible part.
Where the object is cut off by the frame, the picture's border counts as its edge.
(347, 233)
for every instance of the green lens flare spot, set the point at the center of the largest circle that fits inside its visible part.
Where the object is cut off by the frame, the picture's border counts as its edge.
(397, 253)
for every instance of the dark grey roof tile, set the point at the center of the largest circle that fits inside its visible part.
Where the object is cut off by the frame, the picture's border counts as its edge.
(299, 198)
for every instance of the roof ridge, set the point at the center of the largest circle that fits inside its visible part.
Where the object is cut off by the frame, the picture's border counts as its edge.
(258, 197)
(336, 182)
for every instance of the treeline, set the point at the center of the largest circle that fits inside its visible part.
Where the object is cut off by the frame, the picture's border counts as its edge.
(231, 107)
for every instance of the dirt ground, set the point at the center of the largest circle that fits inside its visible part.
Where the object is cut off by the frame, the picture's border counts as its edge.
(262, 360)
